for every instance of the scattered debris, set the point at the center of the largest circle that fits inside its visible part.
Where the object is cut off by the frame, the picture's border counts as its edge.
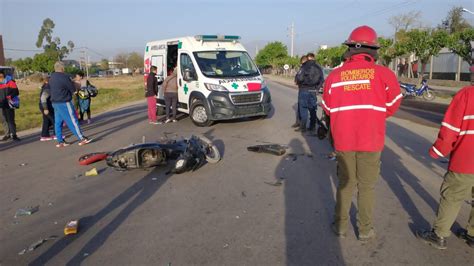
(226, 245)
(275, 149)
(76, 176)
(15, 199)
(36, 244)
(85, 254)
(26, 211)
(275, 184)
(154, 179)
(71, 227)
(23, 164)
(92, 172)
(237, 217)
(50, 204)
(243, 194)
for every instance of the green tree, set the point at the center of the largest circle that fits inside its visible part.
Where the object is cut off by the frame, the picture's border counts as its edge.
(135, 60)
(104, 64)
(454, 21)
(387, 51)
(332, 56)
(460, 44)
(425, 43)
(23, 65)
(43, 62)
(52, 44)
(271, 53)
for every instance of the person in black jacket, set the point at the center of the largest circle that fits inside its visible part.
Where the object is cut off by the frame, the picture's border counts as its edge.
(62, 89)
(309, 79)
(150, 93)
(8, 90)
(46, 109)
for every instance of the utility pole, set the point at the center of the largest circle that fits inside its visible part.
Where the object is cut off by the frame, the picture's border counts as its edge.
(292, 34)
(2, 56)
(84, 58)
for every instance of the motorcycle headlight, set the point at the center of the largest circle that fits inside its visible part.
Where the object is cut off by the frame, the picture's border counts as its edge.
(215, 87)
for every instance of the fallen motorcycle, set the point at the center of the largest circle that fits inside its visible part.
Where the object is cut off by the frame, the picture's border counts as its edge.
(424, 91)
(187, 154)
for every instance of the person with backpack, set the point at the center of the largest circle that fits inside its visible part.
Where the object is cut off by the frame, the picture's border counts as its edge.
(84, 97)
(8, 93)
(309, 79)
(62, 89)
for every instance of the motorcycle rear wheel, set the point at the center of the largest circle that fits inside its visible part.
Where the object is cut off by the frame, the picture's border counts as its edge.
(212, 153)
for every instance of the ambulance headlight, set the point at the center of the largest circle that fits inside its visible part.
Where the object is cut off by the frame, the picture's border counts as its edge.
(214, 87)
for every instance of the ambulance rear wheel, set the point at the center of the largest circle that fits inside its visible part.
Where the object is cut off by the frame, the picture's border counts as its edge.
(199, 114)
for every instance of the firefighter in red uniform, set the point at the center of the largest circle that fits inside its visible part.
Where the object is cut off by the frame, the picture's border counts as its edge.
(358, 97)
(455, 138)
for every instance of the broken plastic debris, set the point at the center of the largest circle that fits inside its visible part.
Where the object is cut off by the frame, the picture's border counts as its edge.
(274, 149)
(26, 211)
(275, 184)
(237, 217)
(154, 179)
(92, 172)
(23, 164)
(226, 246)
(36, 244)
(71, 227)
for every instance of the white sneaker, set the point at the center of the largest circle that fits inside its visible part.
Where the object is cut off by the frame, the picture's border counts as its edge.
(168, 121)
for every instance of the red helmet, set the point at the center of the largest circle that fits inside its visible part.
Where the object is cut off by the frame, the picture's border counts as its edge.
(363, 36)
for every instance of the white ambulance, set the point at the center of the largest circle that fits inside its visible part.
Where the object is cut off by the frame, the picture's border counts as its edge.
(217, 79)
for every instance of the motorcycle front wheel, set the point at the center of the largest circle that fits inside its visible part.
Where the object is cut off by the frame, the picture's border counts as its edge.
(212, 153)
(429, 95)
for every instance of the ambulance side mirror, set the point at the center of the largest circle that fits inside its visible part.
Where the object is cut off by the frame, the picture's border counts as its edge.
(189, 75)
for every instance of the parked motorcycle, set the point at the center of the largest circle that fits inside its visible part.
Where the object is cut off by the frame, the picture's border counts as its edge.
(187, 155)
(424, 91)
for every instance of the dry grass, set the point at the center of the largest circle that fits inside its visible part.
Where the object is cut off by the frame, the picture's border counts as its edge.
(113, 92)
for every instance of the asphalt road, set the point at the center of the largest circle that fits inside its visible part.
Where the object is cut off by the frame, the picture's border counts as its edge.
(223, 214)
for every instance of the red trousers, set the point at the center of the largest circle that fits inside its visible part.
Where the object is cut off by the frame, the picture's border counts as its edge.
(151, 108)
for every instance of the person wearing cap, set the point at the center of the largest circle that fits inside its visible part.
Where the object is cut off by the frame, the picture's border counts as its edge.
(46, 109)
(358, 97)
(455, 139)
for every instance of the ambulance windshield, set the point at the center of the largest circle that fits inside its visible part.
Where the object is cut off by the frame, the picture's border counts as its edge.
(224, 64)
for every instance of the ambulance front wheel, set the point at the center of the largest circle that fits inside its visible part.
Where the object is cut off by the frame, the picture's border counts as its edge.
(199, 114)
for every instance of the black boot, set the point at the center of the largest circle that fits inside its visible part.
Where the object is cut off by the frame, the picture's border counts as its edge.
(462, 233)
(431, 238)
(16, 138)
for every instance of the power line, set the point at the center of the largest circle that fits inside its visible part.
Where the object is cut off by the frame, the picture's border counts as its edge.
(22, 50)
(372, 13)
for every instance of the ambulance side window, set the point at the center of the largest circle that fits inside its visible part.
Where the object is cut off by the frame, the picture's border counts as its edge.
(187, 68)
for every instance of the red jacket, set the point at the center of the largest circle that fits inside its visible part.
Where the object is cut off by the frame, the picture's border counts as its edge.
(456, 135)
(7, 89)
(358, 97)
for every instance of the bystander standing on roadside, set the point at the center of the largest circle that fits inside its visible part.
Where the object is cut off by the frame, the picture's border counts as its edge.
(456, 140)
(84, 98)
(358, 97)
(151, 91)
(309, 79)
(170, 86)
(303, 59)
(8, 91)
(46, 109)
(62, 90)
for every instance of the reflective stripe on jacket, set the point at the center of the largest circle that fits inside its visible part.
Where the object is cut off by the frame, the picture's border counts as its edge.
(358, 97)
(456, 135)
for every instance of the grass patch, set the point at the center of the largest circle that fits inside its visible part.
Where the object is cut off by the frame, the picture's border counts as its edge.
(29, 116)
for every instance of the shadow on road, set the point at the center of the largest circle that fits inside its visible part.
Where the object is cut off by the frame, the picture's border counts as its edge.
(309, 204)
(137, 194)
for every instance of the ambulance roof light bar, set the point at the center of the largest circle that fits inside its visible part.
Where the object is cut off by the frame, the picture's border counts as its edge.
(222, 38)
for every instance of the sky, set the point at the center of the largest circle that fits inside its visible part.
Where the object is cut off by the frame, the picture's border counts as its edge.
(110, 27)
